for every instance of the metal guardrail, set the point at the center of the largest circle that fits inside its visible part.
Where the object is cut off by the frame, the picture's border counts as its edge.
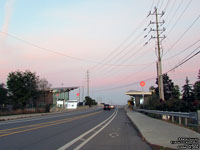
(192, 115)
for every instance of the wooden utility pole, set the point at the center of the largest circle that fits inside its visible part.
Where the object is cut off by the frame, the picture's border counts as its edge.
(88, 93)
(159, 62)
(160, 78)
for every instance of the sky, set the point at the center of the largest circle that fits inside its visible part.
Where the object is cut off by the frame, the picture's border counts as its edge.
(112, 39)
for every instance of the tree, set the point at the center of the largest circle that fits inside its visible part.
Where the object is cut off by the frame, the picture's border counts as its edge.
(188, 95)
(43, 89)
(43, 84)
(22, 87)
(197, 88)
(3, 95)
(89, 101)
(170, 90)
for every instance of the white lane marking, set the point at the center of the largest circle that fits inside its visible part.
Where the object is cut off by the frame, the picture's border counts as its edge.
(92, 136)
(113, 135)
(84, 134)
(45, 117)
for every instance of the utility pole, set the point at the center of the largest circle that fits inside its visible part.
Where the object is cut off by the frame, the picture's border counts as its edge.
(158, 37)
(82, 93)
(88, 94)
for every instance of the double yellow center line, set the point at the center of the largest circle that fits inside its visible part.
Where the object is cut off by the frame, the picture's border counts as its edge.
(26, 128)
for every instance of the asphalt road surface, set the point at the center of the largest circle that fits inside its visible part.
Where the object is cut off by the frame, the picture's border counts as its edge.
(88, 129)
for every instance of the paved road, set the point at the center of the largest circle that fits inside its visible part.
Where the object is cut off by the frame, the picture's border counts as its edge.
(119, 135)
(74, 130)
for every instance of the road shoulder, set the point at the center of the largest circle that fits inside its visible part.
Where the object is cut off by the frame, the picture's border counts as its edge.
(158, 132)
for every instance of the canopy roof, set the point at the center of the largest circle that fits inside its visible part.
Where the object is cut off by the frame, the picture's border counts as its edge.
(136, 93)
(64, 89)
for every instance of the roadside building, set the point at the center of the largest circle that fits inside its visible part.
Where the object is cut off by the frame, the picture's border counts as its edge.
(61, 96)
(71, 104)
(137, 97)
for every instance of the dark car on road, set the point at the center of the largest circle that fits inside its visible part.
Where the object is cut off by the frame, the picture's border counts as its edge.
(106, 107)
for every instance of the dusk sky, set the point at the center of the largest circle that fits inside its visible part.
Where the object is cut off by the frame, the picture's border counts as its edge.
(60, 40)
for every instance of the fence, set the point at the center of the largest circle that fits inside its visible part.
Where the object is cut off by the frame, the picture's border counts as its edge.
(192, 115)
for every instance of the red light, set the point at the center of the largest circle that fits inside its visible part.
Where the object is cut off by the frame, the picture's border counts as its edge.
(77, 94)
(142, 83)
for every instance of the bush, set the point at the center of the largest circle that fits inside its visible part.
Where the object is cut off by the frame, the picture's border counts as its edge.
(176, 105)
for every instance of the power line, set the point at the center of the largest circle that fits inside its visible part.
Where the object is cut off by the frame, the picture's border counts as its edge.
(119, 53)
(183, 50)
(130, 84)
(121, 44)
(120, 71)
(180, 16)
(152, 5)
(61, 54)
(160, 5)
(121, 58)
(170, 10)
(132, 74)
(183, 34)
(184, 61)
(118, 59)
(189, 54)
(174, 14)
(166, 6)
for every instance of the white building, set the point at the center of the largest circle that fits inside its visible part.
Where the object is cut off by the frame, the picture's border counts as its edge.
(71, 104)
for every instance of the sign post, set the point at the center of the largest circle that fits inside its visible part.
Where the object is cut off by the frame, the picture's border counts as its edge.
(142, 84)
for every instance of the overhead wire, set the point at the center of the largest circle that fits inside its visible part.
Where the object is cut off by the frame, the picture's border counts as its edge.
(189, 55)
(131, 84)
(181, 63)
(182, 50)
(122, 57)
(152, 5)
(118, 54)
(121, 60)
(174, 14)
(45, 49)
(179, 18)
(175, 42)
(158, 1)
(114, 51)
(117, 71)
(170, 10)
(183, 34)
(59, 53)
(130, 56)
(160, 5)
(120, 45)
(166, 6)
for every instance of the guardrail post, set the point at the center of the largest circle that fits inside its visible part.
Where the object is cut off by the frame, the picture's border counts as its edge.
(172, 118)
(198, 117)
(186, 121)
(179, 120)
(198, 120)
